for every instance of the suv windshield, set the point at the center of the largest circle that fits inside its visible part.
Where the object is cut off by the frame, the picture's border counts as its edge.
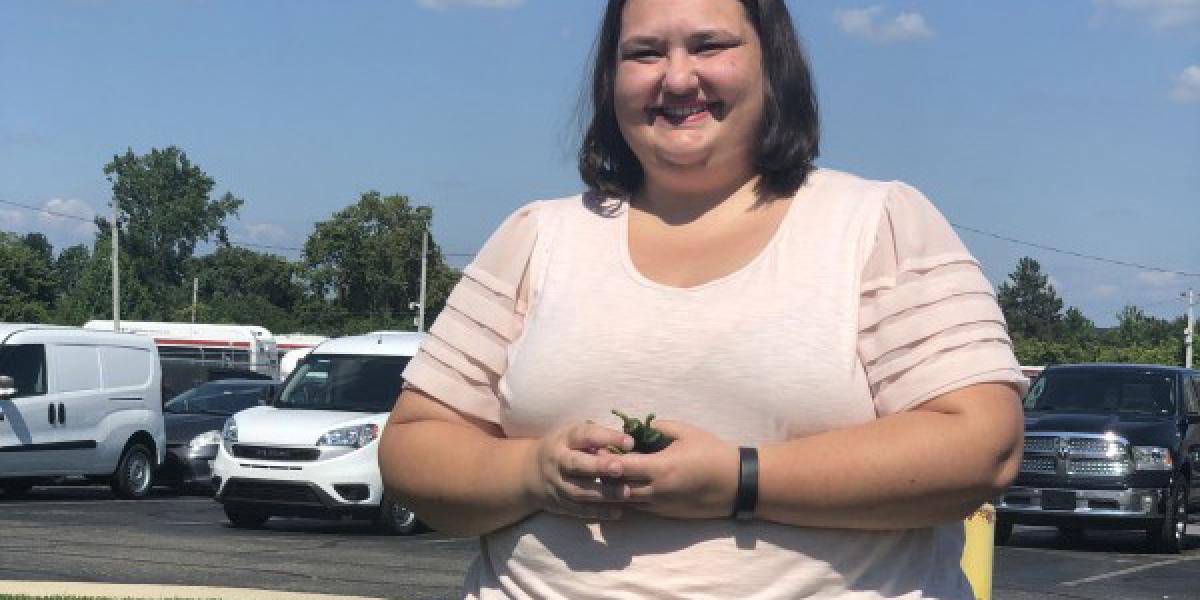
(218, 399)
(340, 382)
(1096, 391)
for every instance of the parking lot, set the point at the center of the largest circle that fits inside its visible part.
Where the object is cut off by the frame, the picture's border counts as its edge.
(81, 533)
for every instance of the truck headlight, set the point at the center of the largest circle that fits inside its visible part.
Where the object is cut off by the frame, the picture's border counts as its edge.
(355, 436)
(205, 444)
(1152, 458)
(229, 434)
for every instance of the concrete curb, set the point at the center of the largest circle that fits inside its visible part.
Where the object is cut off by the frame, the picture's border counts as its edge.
(121, 590)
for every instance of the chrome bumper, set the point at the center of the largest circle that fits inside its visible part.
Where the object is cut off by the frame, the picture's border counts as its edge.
(1144, 503)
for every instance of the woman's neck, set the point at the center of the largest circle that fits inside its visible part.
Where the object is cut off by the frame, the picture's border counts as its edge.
(677, 201)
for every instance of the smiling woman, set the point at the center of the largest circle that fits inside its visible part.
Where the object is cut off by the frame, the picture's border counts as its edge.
(825, 355)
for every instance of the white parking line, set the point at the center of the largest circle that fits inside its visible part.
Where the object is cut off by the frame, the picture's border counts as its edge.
(1110, 575)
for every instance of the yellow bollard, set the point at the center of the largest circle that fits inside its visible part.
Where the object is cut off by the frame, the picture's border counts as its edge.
(979, 550)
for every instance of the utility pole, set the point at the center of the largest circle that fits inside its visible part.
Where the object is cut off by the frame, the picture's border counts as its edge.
(116, 272)
(1189, 334)
(195, 293)
(420, 305)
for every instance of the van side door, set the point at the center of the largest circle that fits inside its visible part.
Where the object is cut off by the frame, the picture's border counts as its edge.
(28, 438)
(79, 397)
(1191, 439)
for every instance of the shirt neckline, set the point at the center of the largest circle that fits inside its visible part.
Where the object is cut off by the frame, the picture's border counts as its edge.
(632, 271)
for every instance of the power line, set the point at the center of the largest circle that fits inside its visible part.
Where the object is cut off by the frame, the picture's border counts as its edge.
(1075, 254)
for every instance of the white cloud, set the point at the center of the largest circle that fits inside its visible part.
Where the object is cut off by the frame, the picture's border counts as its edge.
(1160, 14)
(265, 233)
(1104, 290)
(444, 4)
(1187, 85)
(60, 212)
(871, 25)
(1158, 278)
(11, 219)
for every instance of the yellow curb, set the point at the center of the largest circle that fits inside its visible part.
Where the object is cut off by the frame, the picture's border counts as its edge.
(121, 590)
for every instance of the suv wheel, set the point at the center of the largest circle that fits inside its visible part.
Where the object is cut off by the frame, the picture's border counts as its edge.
(1004, 531)
(245, 518)
(15, 488)
(1170, 536)
(135, 473)
(396, 519)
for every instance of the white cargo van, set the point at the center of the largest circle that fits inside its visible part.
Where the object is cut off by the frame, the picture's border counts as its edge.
(314, 451)
(79, 402)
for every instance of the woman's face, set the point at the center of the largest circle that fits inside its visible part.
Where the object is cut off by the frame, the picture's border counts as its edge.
(689, 85)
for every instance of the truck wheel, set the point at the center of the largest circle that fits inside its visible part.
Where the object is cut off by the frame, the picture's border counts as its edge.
(1170, 536)
(135, 473)
(396, 519)
(1004, 531)
(245, 518)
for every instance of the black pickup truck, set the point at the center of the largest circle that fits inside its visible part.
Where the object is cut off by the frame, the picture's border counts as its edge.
(1109, 446)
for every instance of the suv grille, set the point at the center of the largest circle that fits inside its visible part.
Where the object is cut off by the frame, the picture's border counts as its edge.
(1076, 454)
(275, 453)
(270, 491)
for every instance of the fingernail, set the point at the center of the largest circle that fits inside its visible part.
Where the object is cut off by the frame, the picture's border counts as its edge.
(614, 469)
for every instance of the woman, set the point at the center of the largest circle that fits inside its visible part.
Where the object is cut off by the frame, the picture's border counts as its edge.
(825, 353)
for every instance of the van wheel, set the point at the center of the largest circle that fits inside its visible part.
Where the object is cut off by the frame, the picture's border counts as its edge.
(1170, 536)
(134, 474)
(396, 519)
(15, 488)
(245, 518)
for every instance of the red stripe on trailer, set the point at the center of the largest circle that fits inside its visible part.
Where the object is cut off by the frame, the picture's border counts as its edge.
(178, 342)
(295, 346)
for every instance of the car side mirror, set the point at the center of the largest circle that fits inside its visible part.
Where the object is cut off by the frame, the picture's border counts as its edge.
(8, 387)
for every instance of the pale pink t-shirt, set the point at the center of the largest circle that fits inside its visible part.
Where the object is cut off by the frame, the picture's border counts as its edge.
(864, 303)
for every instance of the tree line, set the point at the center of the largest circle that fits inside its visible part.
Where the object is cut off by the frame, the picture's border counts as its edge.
(359, 269)
(1044, 334)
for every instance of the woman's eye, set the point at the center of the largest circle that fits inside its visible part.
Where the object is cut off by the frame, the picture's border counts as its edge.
(712, 47)
(644, 54)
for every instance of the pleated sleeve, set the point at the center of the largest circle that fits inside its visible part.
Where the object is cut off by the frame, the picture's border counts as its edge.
(466, 352)
(928, 318)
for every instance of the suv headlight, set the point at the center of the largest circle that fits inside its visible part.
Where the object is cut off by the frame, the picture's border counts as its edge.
(229, 434)
(205, 444)
(355, 436)
(1152, 458)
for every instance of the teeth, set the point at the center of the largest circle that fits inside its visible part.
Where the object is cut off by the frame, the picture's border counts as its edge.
(681, 111)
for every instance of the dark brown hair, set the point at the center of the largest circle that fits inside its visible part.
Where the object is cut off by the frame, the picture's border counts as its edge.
(788, 142)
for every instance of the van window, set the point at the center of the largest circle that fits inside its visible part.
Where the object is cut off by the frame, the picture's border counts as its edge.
(26, 364)
(125, 367)
(76, 368)
(1191, 395)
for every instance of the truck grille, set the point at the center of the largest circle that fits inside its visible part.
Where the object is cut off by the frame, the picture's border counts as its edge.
(1075, 454)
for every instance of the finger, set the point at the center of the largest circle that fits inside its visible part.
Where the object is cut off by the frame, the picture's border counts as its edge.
(591, 436)
(641, 493)
(673, 429)
(583, 464)
(638, 467)
(599, 489)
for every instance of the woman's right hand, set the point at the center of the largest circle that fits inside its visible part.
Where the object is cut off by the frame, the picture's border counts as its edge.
(571, 472)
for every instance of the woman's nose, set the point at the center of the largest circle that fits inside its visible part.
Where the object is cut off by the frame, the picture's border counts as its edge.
(680, 77)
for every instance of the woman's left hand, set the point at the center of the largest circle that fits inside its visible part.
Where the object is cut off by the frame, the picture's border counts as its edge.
(695, 477)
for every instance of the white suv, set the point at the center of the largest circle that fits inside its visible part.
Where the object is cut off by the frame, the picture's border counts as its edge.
(313, 452)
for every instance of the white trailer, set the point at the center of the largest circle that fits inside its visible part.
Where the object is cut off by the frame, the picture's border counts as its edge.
(245, 347)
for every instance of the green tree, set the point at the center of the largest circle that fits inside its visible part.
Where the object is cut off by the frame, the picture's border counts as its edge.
(1077, 328)
(1030, 304)
(70, 265)
(366, 262)
(90, 295)
(27, 281)
(166, 209)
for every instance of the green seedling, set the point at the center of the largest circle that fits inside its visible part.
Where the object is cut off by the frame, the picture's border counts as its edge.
(646, 439)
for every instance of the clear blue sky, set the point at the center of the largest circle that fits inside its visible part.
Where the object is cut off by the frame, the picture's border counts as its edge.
(1072, 123)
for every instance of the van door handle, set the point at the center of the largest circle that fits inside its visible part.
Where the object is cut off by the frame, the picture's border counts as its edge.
(50, 413)
(62, 414)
